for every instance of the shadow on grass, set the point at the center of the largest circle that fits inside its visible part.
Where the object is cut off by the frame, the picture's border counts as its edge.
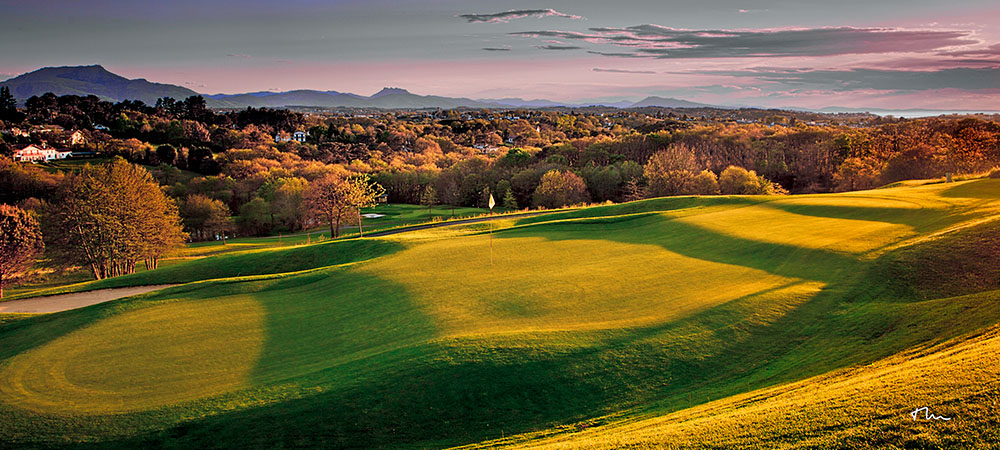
(985, 189)
(653, 205)
(699, 243)
(247, 263)
(362, 389)
(921, 220)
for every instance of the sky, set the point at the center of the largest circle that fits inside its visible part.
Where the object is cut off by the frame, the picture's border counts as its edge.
(893, 54)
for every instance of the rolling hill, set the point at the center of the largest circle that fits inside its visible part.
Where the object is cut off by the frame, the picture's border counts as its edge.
(811, 321)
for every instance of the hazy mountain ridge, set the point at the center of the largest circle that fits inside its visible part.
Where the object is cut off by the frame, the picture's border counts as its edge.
(106, 85)
(92, 80)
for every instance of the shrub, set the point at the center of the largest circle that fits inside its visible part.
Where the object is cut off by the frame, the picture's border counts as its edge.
(995, 173)
(705, 183)
(739, 181)
(559, 189)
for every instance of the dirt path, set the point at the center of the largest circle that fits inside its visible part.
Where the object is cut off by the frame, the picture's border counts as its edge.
(63, 302)
(458, 222)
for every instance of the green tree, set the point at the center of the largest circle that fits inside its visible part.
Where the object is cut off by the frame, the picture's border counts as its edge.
(255, 217)
(166, 154)
(20, 241)
(509, 202)
(8, 106)
(429, 197)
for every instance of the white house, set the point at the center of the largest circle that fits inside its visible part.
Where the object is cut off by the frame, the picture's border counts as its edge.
(298, 136)
(34, 154)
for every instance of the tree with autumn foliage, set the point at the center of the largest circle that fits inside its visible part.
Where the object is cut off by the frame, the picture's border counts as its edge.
(362, 192)
(670, 171)
(108, 217)
(206, 218)
(558, 189)
(326, 199)
(20, 241)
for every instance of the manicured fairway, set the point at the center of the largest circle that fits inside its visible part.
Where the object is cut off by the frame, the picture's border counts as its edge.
(688, 322)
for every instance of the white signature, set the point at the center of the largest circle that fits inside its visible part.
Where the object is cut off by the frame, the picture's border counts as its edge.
(927, 415)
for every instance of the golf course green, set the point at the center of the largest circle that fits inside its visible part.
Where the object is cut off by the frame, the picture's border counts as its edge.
(812, 321)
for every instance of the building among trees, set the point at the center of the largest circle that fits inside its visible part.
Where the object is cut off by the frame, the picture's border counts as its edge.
(33, 153)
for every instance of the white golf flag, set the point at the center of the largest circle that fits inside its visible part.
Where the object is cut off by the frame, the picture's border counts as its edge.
(492, 202)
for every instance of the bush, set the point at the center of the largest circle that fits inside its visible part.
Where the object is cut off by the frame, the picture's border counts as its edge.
(995, 173)
(739, 181)
(559, 189)
(705, 183)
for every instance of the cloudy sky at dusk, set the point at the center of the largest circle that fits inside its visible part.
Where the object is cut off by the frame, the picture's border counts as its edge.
(857, 53)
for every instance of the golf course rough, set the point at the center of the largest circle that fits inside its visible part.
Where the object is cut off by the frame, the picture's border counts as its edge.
(803, 321)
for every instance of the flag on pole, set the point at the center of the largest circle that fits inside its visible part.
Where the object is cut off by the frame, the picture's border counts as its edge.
(492, 202)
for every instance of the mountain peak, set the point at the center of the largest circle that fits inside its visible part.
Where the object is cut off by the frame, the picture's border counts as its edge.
(90, 80)
(666, 103)
(390, 91)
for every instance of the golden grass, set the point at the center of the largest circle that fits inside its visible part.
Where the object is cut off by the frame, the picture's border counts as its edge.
(850, 408)
(141, 359)
(536, 284)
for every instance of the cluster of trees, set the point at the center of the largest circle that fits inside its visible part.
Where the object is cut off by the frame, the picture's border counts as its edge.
(593, 143)
(218, 162)
(110, 217)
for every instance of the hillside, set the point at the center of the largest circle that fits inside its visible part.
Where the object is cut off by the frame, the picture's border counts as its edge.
(688, 322)
(91, 80)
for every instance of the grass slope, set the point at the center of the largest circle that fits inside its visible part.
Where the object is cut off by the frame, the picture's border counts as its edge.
(644, 321)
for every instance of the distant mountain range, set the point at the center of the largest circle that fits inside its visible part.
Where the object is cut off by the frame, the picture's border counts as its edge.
(91, 80)
(96, 80)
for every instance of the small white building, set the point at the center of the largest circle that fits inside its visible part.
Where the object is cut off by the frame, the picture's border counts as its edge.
(34, 154)
(298, 136)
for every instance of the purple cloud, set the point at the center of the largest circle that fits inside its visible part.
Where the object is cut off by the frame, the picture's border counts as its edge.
(656, 41)
(507, 16)
(596, 69)
(874, 79)
(559, 47)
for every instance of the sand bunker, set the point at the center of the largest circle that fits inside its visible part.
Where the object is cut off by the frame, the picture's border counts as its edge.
(63, 302)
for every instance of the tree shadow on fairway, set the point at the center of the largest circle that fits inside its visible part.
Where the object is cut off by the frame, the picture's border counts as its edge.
(260, 262)
(460, 391)
(653, 205)
(457, 392)
(700, 243)
(922, 220)
(988, 189)
(320, 320)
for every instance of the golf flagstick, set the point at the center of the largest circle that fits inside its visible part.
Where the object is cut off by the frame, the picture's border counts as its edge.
(492, 204)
